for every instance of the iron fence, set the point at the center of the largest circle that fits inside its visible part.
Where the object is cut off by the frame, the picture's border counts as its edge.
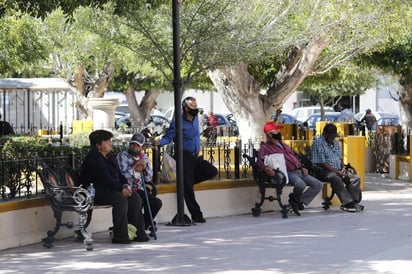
(19, 180)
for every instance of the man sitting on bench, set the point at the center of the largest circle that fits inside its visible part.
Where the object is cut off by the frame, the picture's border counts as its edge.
(328, 166)
(297, 173)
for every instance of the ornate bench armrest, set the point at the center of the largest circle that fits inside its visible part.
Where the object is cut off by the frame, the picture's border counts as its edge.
(71, 198)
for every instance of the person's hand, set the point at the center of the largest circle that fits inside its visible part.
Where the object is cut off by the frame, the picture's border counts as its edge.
(341, 173)
(139, 166)
(126, 191)
(269, 172)
(304, 171)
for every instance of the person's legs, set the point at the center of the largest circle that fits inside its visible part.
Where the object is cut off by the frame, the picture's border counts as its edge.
(204, 170)
(189, 164)
(135, 215)
(119, 215)
(298, 187)
(338, 187)
(314, 187)
(354, 188)
(155, 205)
(295, 179)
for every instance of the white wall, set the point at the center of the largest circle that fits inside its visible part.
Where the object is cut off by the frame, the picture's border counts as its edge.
(28, 226)
(380, 98)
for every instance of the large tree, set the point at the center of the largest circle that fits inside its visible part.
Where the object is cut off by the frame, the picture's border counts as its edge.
(230, 40)
(335, 33)
(396, 58)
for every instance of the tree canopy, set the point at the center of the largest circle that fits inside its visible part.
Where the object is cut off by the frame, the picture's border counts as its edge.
(21, 43)
(245, 46)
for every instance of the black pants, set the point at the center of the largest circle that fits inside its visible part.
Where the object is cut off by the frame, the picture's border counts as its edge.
(195, 170)
(126, 211)
(155, 206)
(347, 193)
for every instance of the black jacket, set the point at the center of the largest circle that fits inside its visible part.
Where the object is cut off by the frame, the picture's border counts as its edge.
(104, 174)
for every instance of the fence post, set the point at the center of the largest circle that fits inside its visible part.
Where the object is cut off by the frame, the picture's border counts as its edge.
(237, 161)
(156, 164)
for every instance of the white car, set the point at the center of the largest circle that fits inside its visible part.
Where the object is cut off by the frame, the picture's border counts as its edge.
(301, 114)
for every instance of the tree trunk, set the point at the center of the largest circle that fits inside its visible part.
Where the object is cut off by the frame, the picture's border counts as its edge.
(140, 113)
(91, 87)
(241, 92)
(405, 105)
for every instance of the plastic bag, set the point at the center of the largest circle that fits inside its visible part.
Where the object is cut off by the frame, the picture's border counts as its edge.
(168, 168)
(277, 161)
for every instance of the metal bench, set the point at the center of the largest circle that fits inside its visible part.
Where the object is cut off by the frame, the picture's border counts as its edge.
(64, 196)
(278, 182)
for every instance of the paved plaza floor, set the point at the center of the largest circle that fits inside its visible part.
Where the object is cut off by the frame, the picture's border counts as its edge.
(378, 240)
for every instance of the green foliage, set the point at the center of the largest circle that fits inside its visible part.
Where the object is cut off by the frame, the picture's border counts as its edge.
(42, 7)
(396, 58)
(21, 44)
(18, 146)
(343, 81)
(79, 140)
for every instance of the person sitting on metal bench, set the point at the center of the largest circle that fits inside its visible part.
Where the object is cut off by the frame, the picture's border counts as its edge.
(328, 166)
(134, 164)
(297, 173)
(100, 168)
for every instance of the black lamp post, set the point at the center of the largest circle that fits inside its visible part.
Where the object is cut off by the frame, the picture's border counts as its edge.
(180, 219)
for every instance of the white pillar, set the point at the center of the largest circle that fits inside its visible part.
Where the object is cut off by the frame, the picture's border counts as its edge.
(102, 112)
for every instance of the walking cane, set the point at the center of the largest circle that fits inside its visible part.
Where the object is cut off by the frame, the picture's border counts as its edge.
(148, 207)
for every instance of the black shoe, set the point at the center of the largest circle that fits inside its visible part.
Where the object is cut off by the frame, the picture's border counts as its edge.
(301, 206)
(149, 226)
(349, 207)
(151, 229)
(116, 241)
(199, 220)
(294, 207)
(141, 238)
(359, 207)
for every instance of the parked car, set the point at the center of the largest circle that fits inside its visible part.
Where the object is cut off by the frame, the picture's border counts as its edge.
(382, 118)
(156, 125)
(118, 115)
(285, 118)
(302, 113)
(311, 121)
(123, 108)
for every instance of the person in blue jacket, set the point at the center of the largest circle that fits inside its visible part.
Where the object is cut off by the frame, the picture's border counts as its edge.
(100, 168)
(195, 168)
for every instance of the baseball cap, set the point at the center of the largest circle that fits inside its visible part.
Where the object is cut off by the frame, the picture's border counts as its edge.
(331, 129)
(138, 138)
(271, 126)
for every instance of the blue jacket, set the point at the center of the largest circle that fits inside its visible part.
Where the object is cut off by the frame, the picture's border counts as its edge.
(190, 135)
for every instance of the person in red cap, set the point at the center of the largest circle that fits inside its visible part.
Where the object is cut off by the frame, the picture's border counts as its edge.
(297, 173)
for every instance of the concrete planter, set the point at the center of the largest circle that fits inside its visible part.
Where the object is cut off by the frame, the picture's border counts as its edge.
(102, 112)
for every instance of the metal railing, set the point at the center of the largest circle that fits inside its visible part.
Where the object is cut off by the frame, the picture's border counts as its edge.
(19, 180)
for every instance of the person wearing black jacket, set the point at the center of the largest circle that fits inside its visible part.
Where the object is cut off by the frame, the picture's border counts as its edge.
(100, 168)
(5, 128)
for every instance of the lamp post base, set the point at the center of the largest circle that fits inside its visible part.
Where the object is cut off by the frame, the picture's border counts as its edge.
(179, 221)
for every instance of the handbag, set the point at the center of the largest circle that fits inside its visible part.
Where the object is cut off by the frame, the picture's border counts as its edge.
(277, 161)
(168, 168)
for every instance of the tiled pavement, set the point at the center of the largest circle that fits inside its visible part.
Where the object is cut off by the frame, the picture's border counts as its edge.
(377, 240)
